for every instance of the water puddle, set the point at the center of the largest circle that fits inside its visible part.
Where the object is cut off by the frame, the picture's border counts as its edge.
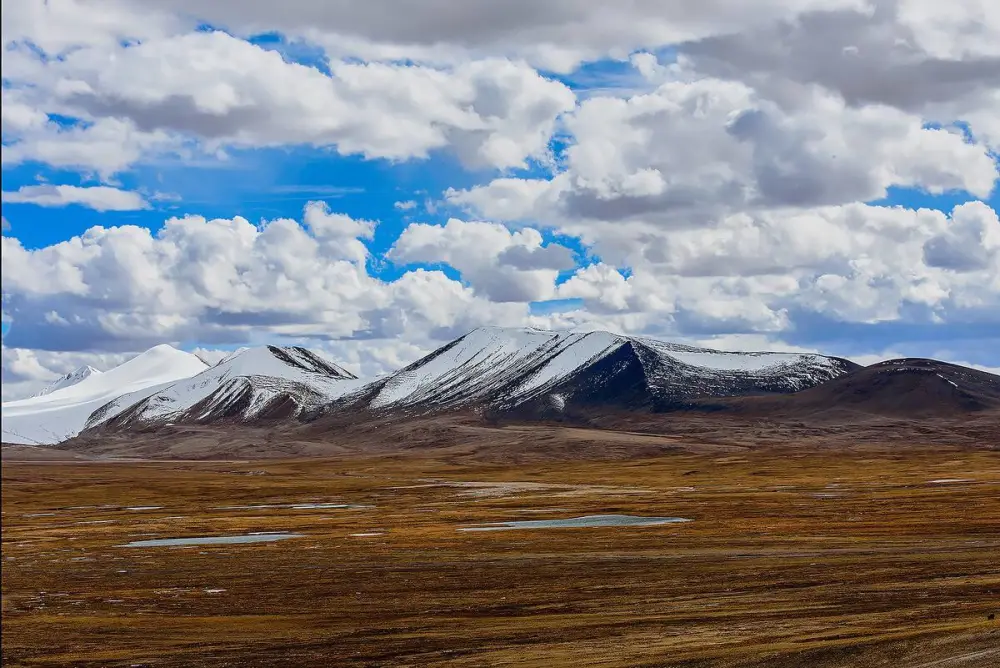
(579, 522)
(139, 508)
(213, 540)
(292, 506)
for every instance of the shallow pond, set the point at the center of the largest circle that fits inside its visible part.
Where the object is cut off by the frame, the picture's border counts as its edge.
(579, 522)
(292, 506)
(213, 540)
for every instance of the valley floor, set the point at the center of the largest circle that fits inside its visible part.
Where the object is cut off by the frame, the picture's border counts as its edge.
(803, 557)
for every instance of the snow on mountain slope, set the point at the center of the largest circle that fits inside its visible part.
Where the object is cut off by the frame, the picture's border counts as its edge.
(72, 378)
(251, 383)
(62, 413)
(513, 368)
(487, 359)
(679, 373)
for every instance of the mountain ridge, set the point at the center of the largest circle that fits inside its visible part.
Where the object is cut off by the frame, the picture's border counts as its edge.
(504, 369)
(267, 382)
(506, 374)
(905, 388)
(72, 378)
(62, 413)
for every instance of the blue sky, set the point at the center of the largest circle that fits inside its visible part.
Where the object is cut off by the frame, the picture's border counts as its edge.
(595, 177)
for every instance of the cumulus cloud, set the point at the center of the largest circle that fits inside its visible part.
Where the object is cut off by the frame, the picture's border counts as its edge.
(715, 206)
(970, 243)
(220, 280)
(221, 90)
(852, 263)
(99, 198)
(724, 192)
(688, 151)
(56, 26)
(502, 265)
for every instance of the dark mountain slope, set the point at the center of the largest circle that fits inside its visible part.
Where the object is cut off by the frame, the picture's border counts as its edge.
(902, 388)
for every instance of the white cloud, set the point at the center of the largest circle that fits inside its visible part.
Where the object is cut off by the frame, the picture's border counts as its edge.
(221, 280)
(223, 91)
(732, 212)
(105, 145)
(970, 243)
(722, 191)
(27, 371)
(501, 265)
(57, 26)
(690, 150)
(554, 35)
(99, 198)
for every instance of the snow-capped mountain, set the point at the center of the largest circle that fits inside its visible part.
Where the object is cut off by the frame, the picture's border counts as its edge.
(523, 372)
(63, 412)
(72, 378)
(250, 384)
(534, 371)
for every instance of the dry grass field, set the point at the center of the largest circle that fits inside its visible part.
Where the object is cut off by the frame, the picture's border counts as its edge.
(792, 558)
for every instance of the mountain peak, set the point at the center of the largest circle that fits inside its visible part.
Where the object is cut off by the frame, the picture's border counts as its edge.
(63, 412)
(162, 350)
(511, 367)
(71, 378)
(257, 383)
(275, 360)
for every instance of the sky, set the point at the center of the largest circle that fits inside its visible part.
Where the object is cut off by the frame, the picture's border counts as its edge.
(373, 179)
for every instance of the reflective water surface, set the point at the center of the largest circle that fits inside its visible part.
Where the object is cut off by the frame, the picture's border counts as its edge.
(213, 540)
(578, 522)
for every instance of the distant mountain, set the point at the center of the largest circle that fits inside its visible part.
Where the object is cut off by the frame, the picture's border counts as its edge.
(515, 374)
(251, 384)
(535, 373)
(63, 412)
(901, 388)
(72, 378)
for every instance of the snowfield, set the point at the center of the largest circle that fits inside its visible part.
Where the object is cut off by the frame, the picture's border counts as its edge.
(58, 414)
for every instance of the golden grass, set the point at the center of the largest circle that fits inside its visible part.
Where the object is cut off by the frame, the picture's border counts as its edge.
(793, 559)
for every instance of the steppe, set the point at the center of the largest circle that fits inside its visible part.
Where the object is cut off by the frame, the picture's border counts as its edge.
(800, 554)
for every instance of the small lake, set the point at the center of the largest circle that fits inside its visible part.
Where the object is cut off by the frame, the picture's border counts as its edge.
(579, 522)
(213, 540)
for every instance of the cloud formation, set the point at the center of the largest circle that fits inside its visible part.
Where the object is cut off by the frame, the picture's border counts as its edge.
(99, 198)
(125, 288)
(764, 173)
(159, 95)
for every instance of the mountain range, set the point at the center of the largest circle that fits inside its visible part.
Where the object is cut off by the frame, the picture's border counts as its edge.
(517, 373)
(63, 410)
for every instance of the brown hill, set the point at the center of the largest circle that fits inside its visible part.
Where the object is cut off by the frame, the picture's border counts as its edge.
(902, 388)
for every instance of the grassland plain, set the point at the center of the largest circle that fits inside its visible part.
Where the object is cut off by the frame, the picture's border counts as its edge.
(810, 557)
